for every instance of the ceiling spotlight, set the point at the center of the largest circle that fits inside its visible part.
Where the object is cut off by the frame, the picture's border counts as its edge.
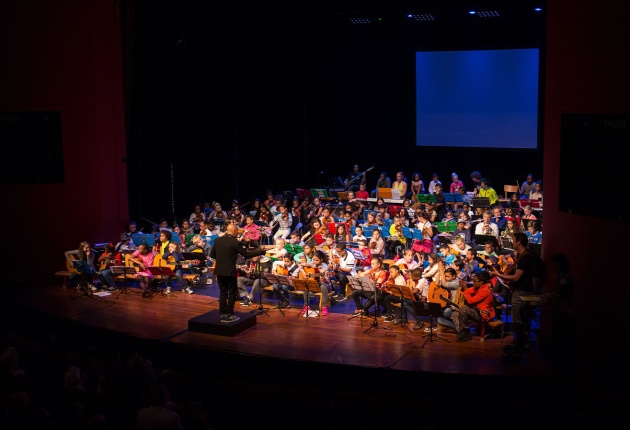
(489, 14)
(361, 20)
(421, 16)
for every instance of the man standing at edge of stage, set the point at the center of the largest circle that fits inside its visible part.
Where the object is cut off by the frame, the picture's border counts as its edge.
(225, 251)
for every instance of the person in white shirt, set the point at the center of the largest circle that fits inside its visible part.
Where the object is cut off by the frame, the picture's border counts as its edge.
(358, 234)
(487, 227)
(343, 265)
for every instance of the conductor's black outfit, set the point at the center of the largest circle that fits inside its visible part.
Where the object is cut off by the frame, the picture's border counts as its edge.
(225, 251)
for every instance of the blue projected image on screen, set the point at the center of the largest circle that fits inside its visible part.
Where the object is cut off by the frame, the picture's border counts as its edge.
(477, 99)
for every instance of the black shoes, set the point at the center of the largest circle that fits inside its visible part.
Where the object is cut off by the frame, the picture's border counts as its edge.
(464, 336)
(228, 318)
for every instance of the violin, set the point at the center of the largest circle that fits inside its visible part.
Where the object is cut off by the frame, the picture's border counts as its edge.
(373, 245)
(198, 218)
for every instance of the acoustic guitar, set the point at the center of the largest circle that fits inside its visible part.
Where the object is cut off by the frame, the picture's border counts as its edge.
(309, 272)
(437, 294)
(70, 266)
(456, 306)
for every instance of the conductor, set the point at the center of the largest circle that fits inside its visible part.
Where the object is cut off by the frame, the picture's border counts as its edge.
(225, 251)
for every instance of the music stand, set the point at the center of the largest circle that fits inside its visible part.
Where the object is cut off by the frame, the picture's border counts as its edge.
(361, 283)
(308, 286)
(481, 239)
(259, 271)
(480, 202)
(163, 272)
(275, 278)
(366, 284)
(385, 193)
(426, 198)
(445, 240)
(431, 310)
(123, 270)
(454, 198)
(404, 292)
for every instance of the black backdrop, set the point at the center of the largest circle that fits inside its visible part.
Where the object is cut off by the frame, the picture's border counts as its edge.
(225, 105)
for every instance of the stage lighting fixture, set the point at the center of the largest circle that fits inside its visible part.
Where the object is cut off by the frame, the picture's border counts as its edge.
(488, 14)
(421, 16)
(360, 21)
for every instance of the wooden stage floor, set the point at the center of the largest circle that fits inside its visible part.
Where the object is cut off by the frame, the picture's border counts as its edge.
(335, 339)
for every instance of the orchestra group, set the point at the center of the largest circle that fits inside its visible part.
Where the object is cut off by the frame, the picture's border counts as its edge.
(381, 255)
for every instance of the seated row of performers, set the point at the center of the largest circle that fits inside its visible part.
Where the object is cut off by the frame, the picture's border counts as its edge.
(143, 257)
(461, 280)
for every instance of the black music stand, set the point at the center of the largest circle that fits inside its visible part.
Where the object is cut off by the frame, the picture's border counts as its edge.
(404, 292)
(361, 283)
(124, 270)
(480, 202)
(432, 310)
(369, 286)
(275, 278)
(164, 272)
(260, 309)
(481, 239)
(309, 286)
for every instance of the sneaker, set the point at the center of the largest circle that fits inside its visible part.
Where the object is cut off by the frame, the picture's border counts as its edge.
(430, 329)
(400, 321)
(111, 288)
(247, 302)
(419, 325)
(209, 281)
(168, 290)
(389, 318)
(358, 313)
(92, 287)
(283, 304)
(229, 318)
(340, 297)
(188, 290)
(324, 311)
(305, 309)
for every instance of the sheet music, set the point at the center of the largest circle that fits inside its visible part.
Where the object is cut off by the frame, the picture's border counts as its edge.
(361, 283)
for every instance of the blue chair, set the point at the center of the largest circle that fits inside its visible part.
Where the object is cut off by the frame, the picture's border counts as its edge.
(367, 231)
(366, 212)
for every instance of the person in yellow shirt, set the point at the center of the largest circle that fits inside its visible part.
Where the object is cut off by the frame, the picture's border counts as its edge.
(487, 191)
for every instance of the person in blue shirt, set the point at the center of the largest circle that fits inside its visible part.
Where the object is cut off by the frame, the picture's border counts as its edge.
(498, 218)
(532, 233)
(446, 255)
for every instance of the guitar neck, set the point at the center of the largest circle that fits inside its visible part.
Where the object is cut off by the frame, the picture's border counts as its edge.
(449, 301)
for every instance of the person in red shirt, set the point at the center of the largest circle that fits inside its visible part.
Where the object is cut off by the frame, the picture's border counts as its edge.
(362, 193)
(479, 306)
